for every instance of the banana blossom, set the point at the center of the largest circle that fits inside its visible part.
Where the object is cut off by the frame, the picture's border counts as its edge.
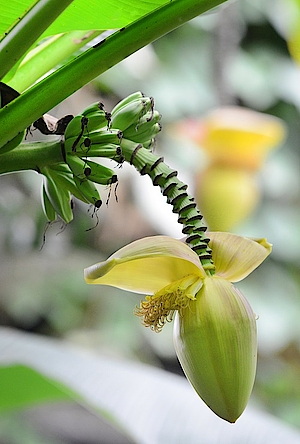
(215, 328)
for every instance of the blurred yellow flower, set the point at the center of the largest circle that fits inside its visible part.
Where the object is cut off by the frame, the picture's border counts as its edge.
(237, 141)
(225, 195)
(238, 137)
(215, 328)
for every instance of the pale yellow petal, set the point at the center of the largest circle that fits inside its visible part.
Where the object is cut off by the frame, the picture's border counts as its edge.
(147, 265)
(157, 245)
(235, 257)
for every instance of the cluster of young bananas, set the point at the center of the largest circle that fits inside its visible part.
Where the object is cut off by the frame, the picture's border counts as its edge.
(136, 117)
(96, 133)
(61, 182)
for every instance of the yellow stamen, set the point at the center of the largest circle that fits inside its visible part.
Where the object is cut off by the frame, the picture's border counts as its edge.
(160, 308)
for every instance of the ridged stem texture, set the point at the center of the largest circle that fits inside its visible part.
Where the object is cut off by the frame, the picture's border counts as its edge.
(176, 193)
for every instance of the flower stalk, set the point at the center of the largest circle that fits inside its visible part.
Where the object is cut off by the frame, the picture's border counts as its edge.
(176, 192)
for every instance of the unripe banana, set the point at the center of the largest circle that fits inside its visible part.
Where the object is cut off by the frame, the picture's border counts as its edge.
(130, 113)
(59, 197)
(47, 206)
(89, 191)
(81, 127)
(144, 125)
(87, 148)
(147, 135)
(63, 176)
(97, 121)
(77, 165)
(99, 173)
(93, 108)
(132, 97)
(91, 145)
(106, 136)
(98, 117)
(85, 187)
(110, 151)
(150, 144)
(75, 126)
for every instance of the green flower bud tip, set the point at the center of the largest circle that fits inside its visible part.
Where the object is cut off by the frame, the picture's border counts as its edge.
(216, 343)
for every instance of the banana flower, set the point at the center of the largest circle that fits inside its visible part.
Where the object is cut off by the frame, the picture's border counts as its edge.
(215, 327)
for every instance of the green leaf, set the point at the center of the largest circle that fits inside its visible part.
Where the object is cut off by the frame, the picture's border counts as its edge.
(151, 405)
(21, 386)
(26, 29)
(53, 89)
(84, 14)
(46, 56)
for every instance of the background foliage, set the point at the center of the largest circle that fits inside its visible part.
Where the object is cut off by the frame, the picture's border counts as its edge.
(236, 55)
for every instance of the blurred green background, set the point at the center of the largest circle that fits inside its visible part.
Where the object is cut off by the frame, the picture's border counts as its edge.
(236, 56)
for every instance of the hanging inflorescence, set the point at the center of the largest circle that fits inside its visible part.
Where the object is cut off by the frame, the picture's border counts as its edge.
(126, 134)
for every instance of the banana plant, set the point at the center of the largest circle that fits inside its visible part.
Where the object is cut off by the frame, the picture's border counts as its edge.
(43, 60)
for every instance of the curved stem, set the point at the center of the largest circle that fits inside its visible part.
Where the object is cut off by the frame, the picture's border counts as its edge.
(31, 156)
(176, 193)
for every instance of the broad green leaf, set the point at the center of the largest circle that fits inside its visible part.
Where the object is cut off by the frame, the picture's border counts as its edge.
(151, 405)
(84, 14)
(50, 91)
(21, 386)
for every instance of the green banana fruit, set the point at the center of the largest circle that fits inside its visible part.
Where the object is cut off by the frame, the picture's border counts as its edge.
(77, 166)
(134, 96)
(93, 108)
(98, 117)
(97, 121)
(106, 136)
(59, 197)
(110, 151)
(81, 127)
(144, 125)
(86, 123)
(89, 191)
(99, 173)
(75, 130)
(85, 187)
(130, 113)
(145, 136)
(47, 206)
(63, 176)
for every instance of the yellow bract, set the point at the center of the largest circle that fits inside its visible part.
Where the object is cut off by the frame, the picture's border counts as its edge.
(146, 266)
(149, 264)
(235, 257)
